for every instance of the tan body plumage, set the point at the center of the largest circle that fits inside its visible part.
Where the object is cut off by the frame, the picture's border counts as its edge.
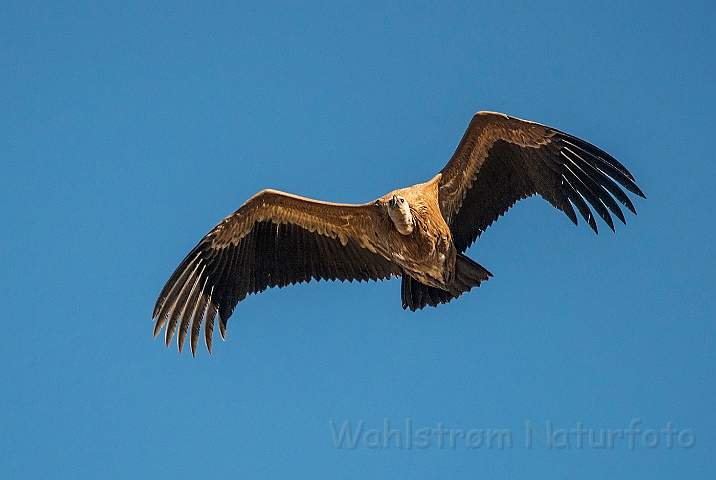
(418, 233)
(426, 253)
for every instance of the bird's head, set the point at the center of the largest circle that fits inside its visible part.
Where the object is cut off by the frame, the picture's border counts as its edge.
(399, 211)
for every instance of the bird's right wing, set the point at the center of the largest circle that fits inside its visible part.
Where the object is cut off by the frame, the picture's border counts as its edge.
(273, 240)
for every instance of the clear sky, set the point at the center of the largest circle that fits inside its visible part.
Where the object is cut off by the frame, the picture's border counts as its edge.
(128, 130)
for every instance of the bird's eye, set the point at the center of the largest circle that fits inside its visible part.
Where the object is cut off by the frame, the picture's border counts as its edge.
(402, 200)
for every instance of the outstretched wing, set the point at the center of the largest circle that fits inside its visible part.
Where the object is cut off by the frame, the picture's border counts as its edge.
(273, 240)
(503, 159)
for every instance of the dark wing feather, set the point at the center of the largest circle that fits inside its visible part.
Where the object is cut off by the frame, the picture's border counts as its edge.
(501, 160)
(273, 240)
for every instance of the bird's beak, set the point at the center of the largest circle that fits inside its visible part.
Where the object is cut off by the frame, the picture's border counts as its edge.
(394, 199)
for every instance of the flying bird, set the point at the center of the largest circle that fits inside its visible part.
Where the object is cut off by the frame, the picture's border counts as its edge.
(418, 233)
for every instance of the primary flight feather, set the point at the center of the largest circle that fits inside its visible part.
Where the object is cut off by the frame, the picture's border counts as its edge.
(418, 233)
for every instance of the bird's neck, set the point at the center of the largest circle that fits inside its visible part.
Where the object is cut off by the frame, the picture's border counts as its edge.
(403, 220)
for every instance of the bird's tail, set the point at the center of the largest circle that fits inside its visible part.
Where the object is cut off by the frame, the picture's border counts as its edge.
(468, 274)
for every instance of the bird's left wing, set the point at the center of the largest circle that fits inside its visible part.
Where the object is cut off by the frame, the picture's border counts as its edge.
(503, 159)
(273, 240)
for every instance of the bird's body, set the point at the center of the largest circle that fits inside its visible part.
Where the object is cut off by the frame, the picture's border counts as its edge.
(422, 246)
(418, 233)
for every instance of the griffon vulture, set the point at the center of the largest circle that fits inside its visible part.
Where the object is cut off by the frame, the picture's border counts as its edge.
(418, 233)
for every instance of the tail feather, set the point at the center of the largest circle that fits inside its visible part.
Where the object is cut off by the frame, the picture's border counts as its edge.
(468, 274)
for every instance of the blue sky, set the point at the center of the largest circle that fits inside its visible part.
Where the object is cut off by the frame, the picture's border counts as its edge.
(128, 131)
